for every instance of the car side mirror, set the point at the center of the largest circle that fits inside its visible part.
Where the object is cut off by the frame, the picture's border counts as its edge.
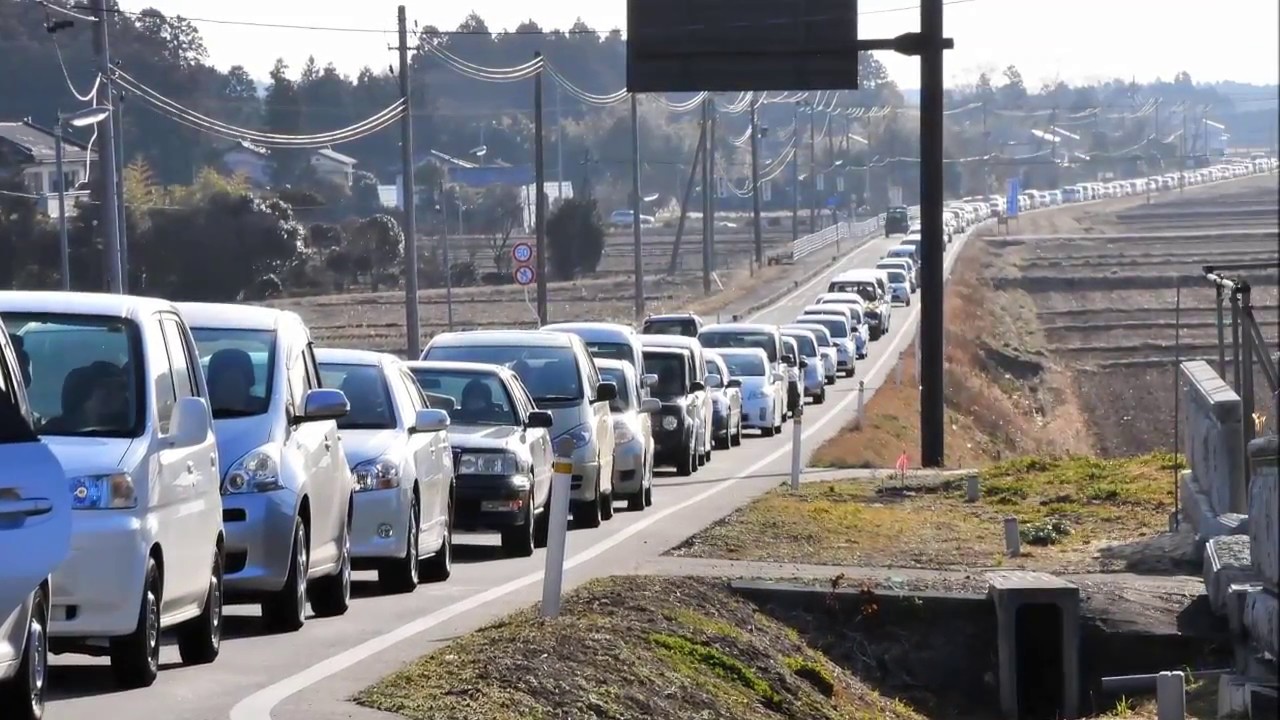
(803, 363)
(539, 419)
(789, 359)
(606, 392)
(713, 380)
(190, 423)
(648, 380)
(696, 386)
(650, 406)
(430, 420)
(734, 383)
(324, 404)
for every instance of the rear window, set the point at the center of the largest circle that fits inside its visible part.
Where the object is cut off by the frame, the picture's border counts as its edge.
(867, 290)
(745, 365)
(897, 276)
(684, 327)
(834, 325)
(671, 369)
(611, 351)
(725, 339)
(550, 374)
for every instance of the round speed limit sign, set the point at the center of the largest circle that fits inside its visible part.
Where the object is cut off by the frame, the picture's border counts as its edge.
(522, 253)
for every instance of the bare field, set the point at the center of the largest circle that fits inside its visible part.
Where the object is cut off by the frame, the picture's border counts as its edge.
(1119, 295)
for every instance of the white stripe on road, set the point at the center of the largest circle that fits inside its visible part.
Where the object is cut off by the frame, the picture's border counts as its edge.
(258, 706)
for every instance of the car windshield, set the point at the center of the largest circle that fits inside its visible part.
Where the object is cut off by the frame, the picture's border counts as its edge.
(897, 276)
(549, 373)
(865, 289)
(478, 398)
(670, 369)
(86, 373)
(834, 325)
(617, 376)
(366, 389)
(238, 366)
(734, 339)
(683, 327)
(808, 347)
(824, 336)
(745, 365)
(612, 351)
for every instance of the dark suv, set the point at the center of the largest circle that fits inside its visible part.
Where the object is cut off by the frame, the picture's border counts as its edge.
(686, 324)
(674, 439)
(897, 221)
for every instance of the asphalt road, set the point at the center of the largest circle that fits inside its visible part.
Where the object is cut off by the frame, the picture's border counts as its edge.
(311, 673)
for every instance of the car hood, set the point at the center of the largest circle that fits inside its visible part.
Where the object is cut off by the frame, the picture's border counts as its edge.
(362, 445)
(238, 436)
(472, 437)
(89, 455)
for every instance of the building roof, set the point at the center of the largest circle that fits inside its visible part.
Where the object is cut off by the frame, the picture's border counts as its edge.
(336, 156)
(36, 144)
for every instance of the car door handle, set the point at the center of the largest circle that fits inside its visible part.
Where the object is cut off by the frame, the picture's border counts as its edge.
(191, 467)
(328, 444)
(31, 507)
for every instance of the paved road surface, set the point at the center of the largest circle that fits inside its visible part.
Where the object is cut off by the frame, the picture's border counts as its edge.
(310, 674)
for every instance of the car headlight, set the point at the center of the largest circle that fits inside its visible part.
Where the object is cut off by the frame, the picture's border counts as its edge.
(257, 471)
(581, 436)
(670, 422)
(109, 491)
(759, 395)
(622, 432)
(490, 463)
(376, 474)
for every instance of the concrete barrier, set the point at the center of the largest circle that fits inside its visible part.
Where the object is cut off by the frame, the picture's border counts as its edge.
(1212, 437)
(1264, 510)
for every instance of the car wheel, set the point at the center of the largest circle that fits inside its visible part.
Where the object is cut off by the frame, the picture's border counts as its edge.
(135, 658)
(331, 596)
(439, 566)
(736, 439)
(587, 514)
(768, 431)
(517, 541)
(635, 501)
(402, 575)
(286, 609)
(648, 489)
(200, 638)
(606, 506)
(822, 397)
(25, 691)
(685, 467)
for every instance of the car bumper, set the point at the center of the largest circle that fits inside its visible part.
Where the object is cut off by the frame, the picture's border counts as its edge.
(759, 413)
(671, 446)
(490, 502)
(586, 479)
(813, 382)
(380, 523)
(628, 467)
(259, 546)
(97, 590)
(844, 358)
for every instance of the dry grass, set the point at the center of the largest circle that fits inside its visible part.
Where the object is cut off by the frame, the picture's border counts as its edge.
(1077, 514)
(633, 647)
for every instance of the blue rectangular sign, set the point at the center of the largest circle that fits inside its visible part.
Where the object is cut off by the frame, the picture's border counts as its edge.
(1011, 199)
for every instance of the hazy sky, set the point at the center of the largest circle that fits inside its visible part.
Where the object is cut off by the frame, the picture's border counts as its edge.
(1075, 40)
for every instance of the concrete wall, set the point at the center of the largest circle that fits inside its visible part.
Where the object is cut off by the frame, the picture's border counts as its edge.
(1212, 437)
(1262, 609)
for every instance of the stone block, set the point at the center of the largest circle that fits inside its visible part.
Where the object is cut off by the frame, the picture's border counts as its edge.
(1262, 620)
(1264, 510)
(1226, 563)
(1196, 509)
(1212, 436)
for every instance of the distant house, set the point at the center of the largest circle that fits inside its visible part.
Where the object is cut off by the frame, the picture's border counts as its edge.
(334, 166)
(29, 149)
(252, 161)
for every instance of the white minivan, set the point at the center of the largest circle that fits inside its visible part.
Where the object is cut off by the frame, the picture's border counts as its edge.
(118, 396)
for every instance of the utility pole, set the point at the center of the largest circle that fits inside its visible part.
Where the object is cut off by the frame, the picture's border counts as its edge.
(409, 200)
(448, 266)
(986, 152)
(932, 411)
(539, 177)
(706, 199)
(120, 209)
(795, 174)
(110, 220)
(635, 208)
(715, 184)
(560, 143)
(63, 248)
(813, 174)
(755, 186)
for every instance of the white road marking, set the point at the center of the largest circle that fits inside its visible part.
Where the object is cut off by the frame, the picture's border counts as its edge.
(258, 706)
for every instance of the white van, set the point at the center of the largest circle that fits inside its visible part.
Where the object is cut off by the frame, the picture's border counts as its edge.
(121, 402)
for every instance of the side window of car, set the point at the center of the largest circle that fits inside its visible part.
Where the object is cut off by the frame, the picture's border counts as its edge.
(162, 371)
(296, 371)
(311, 366)
(184, 384)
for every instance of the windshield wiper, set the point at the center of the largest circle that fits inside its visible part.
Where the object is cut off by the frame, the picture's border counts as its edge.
(554, 398)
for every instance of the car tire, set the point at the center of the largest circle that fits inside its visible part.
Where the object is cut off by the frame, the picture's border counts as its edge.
(25, 691)
(200, 638)
(439, 566)
(822, 397)
(606, 505)
(331, 596)
(635, 501)
(517, 541)
(401, 576)
(135, 658)
(768, 431)
(587, 514)
(648, 490)
(736, 439)
(685, 467)
(286, 609)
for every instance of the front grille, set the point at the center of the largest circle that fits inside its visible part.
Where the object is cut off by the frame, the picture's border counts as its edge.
(575, 482)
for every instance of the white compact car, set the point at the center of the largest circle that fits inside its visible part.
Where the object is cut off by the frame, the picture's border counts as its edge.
(35, 535)
(118, 396)
(764, 400)
(400, 456)
(286, 484)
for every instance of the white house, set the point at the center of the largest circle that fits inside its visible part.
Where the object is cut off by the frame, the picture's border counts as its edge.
(334, 166)
(252, 161)
(30, 150)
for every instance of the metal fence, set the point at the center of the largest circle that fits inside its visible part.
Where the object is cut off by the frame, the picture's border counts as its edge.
(857, 232)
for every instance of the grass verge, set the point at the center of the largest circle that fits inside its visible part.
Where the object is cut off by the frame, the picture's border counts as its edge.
(1076, 514)
(632, 647)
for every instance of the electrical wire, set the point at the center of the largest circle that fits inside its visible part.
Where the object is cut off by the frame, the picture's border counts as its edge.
(97, 78)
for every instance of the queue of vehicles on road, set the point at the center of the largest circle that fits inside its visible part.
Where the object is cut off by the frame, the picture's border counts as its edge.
(179, 457)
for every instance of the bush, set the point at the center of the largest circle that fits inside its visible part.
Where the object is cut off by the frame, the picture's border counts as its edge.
(575, 238)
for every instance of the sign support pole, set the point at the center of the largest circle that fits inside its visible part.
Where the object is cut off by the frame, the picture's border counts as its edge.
(558, 528)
